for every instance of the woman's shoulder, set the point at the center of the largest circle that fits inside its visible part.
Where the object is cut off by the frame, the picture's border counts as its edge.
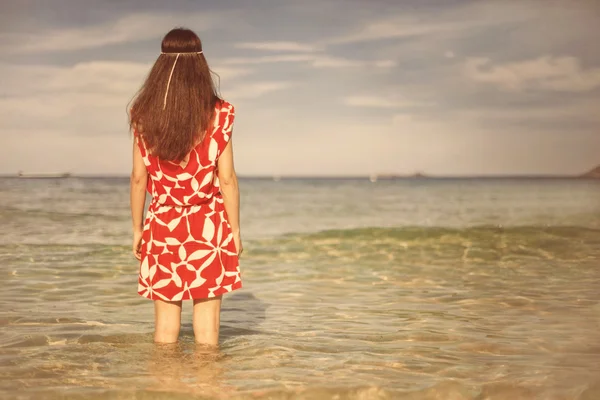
(225, 114)
(225, 106)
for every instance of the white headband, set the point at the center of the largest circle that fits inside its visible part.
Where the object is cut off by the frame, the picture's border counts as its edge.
(171, 74)
(183, 52)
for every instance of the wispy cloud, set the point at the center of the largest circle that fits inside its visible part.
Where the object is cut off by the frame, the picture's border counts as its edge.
(428, 22)
(315, 60)
(561, 74)
(253, 90)
(277, 46)
(381, 102)
(227, 72)
(340, 62)
(576, 111)
(280, 58)
(64, 97)
(393, 28)
(126, 29)
(86, 95)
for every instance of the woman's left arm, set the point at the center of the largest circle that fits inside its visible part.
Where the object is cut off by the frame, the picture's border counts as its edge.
(139, 178)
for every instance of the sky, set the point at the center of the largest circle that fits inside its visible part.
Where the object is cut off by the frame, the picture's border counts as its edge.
(321, 87)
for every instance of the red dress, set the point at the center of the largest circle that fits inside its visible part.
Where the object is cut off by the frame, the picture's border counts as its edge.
(188, 251)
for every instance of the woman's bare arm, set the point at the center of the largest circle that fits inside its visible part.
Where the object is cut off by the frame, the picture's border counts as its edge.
(229, 189)
(139, 178)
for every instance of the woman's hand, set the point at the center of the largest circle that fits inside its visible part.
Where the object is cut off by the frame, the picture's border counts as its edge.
(238, 243)
(137, 243)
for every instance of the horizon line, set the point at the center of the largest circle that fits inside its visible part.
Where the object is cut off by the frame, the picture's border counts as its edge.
(372, 177)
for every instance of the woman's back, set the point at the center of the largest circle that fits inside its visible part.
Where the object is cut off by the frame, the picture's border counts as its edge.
(193, 181)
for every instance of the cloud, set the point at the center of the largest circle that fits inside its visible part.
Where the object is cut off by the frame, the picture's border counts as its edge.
(93, 76)
(255, 89)
(449, 54)
(393, 28)
(524, 99)
(282, 58)
(563, 116)
(340, 62)
(63, 97)
(401, 119)
(438, 22)
(277, 46)
(55, 151)
(459, 145)
(226, 72)
(92, 93)
(380, 102)
(561, 74)
(315, 60)
(127, 29)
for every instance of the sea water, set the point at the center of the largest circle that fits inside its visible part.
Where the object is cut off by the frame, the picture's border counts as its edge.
(396, 289)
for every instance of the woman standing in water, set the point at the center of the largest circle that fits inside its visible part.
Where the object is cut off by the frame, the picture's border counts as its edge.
(189, 243)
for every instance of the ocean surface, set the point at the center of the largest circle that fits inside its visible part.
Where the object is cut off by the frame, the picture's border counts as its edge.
(403, 289)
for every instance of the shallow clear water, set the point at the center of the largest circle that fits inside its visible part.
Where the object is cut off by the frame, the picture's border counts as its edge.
(416, 289)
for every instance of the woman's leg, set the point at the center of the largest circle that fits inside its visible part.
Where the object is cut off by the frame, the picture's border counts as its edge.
(167, 321)
(206, 320)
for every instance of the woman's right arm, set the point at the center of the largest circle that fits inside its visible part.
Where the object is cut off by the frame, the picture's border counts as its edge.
(231, 195)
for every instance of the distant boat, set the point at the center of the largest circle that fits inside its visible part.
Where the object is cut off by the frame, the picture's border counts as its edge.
(276, 178)
(376, 177)
(21, 174)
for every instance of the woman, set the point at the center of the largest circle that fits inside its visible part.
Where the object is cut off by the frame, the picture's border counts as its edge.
(189, 243)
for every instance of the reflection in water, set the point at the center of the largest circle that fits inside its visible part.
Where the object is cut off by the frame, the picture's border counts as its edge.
(197, 371)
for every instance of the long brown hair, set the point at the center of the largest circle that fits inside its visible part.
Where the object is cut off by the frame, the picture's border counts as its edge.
(172, 123)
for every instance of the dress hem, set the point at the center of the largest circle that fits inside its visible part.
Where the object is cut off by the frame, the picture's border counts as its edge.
(219, 292)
